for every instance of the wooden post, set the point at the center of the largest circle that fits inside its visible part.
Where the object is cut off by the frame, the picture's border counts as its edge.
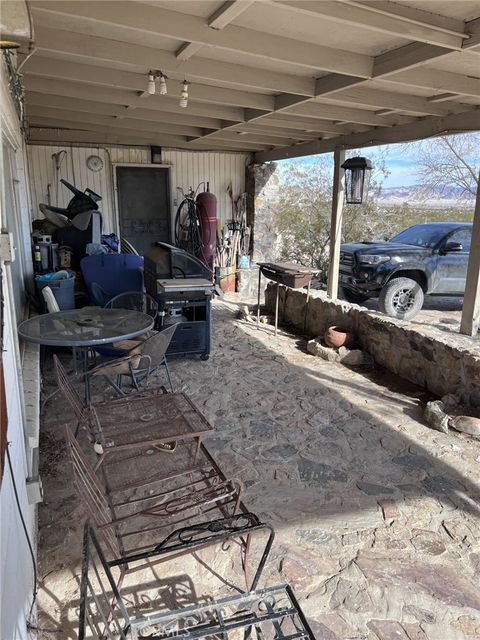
(471, 300)
(336, 223)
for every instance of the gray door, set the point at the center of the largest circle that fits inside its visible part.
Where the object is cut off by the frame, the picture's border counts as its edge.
(451, 272)
(144, 205)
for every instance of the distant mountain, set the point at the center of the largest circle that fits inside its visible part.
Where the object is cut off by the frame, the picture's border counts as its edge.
(444, 198)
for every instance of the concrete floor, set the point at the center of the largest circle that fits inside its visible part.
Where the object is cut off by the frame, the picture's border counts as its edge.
(376, 515)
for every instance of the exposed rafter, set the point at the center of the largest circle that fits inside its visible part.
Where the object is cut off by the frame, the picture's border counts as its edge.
(47, 72)
(455, 123)
(291, 90)
(218, 20)
(364, 16)
(180, 26)
(108, 53)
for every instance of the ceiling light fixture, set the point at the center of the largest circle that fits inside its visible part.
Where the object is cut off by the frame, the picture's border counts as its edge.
(151, 88)
(184, 95)
(162, 85)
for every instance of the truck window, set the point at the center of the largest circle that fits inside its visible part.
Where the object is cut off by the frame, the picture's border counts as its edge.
(463, 236)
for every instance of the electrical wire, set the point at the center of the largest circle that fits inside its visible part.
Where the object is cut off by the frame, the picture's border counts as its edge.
(25, 530)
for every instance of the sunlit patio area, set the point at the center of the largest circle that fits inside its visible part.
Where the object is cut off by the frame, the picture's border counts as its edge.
(375, 514)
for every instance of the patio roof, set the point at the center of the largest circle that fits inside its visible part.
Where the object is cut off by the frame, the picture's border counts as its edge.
(284, 78)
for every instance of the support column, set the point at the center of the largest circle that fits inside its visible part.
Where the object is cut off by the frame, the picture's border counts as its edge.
(336, 222)
(471, 301)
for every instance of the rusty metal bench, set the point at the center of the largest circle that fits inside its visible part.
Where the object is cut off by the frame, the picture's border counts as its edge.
(270, 613)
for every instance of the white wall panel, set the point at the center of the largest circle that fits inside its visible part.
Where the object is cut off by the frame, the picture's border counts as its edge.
(188, 169)
(16, 576)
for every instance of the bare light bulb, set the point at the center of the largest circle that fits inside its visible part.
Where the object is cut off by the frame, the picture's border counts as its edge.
(163, 85)
(184, 95)
(151, 84)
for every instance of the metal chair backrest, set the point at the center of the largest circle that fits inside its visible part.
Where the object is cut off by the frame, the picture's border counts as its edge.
(50, 300)
(103, 615)
(136, 301)
(156, 346)
(92, 494)
(68, 390)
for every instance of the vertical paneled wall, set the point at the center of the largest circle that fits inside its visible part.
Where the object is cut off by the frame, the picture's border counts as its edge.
(188, 169)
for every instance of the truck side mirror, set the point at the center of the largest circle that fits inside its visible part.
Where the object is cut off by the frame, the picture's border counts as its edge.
(451, 247)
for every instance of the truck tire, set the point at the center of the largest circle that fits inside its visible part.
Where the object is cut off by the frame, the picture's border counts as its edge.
(352, 296)
(401, 298)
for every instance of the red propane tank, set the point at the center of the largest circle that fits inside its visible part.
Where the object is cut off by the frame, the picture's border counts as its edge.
(207, 212)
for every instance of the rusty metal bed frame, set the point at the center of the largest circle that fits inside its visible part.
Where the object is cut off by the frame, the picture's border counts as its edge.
(138, 420)
(263, 614)
(128, 517)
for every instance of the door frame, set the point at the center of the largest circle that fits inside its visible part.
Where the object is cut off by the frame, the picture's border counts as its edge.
(142, 165)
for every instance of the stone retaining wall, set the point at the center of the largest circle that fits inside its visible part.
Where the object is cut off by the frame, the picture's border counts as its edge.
(413, 354)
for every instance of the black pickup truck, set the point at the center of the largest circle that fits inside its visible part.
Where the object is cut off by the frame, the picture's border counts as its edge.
(424, 259)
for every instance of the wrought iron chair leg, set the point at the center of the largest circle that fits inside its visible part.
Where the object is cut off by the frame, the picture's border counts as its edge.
(115, 386)
(168, 374)
(134, 378)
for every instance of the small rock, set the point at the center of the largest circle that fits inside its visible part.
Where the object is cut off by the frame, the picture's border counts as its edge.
(436, 417)
(316, 348)
(466, 424)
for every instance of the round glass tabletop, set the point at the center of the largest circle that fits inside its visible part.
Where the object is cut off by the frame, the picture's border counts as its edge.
(85, 327)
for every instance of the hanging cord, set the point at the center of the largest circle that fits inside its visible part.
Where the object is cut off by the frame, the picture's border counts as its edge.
(25, 530)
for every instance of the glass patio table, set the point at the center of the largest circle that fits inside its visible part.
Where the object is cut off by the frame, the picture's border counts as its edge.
(81, 329)
(87, 327)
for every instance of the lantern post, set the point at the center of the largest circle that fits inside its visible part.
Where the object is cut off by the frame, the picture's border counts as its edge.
(357, 179)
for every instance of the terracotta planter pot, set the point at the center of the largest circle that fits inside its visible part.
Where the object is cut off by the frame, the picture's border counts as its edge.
(336, 337)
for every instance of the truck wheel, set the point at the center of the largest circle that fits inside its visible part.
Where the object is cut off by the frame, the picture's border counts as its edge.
(352, 296)
(401, 298)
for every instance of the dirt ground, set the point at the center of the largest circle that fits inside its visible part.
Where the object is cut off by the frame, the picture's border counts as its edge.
(443, 313)
(376, 516)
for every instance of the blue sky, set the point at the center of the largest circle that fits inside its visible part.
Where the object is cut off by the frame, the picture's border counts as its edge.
(400, 163)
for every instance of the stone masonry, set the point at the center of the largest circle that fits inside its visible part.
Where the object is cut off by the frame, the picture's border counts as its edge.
(441, 362)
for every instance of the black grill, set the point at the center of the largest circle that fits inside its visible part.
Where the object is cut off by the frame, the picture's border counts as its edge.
(346, 258)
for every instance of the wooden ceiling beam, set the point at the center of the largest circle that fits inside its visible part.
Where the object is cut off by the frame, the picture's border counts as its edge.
(96, 102)
(367, 97)
(437, 80)
(103, 52)
(90, 120)
(218, 20)
(91, 76)
(163, 22)
(58, 136)
(390, 23)
(424, 128)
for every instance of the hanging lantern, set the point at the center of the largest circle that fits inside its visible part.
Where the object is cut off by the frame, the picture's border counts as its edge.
(357, 179)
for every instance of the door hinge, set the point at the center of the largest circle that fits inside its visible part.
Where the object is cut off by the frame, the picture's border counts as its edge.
(7, 249)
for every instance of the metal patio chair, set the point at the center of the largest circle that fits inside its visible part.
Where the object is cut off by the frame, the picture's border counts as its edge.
(136, 301)
(131, 517)
(271, 613)
(144, 419)
(142, 358)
